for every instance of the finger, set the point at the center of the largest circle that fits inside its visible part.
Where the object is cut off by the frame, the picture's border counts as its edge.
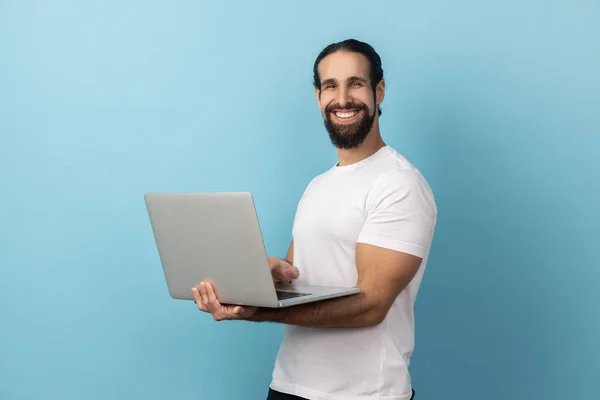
(238, 310)
(273, 262)
(279, 269)
(196, 293)
(295, 273)
(204, 296)
(244, 312)
(198, 299)
(290, 272)
(211, 297)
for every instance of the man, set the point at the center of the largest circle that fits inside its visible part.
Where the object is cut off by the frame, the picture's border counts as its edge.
(368, 221)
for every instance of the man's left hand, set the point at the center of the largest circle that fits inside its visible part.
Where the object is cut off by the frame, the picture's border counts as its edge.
(206, 300)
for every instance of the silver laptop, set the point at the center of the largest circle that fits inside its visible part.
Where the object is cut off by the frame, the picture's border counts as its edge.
(216, 237)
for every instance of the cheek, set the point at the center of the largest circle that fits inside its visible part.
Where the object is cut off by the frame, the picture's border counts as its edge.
(326, 100)
(364, 96)
(368, 98)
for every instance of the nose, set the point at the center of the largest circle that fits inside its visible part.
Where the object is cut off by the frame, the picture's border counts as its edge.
(342, 96)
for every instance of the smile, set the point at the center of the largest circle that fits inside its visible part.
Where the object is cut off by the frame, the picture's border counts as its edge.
(345, 116)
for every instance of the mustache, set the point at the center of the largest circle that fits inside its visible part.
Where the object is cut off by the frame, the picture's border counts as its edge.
(348, 106)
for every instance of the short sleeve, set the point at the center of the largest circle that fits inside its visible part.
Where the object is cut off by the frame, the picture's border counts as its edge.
(401, 213)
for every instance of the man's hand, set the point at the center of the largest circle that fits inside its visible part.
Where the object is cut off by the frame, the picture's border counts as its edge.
(206, 300)
(282, 271)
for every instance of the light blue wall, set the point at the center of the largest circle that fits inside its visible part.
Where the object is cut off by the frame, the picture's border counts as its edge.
(498, 104)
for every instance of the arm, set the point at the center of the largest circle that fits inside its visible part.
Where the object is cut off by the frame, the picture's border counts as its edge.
(382, 275)
(391, 246)
(289, 257)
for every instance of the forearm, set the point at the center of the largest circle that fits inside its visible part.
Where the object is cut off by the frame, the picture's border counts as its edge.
(349, 311)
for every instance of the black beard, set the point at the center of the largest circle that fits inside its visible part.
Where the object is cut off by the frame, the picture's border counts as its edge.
(348, 136)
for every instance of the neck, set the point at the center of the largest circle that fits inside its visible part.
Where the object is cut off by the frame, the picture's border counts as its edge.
(373, 143)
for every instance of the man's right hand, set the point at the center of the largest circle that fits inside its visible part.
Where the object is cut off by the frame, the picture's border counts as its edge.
(282, 271)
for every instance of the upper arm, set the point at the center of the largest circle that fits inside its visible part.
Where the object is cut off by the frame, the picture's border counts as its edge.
(396, 236)
(383, 273)
(289, 257)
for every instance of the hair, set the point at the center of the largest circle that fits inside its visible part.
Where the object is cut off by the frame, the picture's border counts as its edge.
(353, 46)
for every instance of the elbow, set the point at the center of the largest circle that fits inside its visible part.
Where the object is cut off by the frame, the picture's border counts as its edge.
(375, 318)
(373, 308)
(375, 315)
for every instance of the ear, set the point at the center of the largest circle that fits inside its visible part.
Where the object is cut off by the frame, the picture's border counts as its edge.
(380, 92)
(318, 96)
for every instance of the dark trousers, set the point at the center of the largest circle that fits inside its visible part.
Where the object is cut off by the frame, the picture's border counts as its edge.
(275, 395)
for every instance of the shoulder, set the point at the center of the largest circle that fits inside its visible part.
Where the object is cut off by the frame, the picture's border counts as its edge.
(397, 172)
(400, 179)
(314, 181)
(403, 189)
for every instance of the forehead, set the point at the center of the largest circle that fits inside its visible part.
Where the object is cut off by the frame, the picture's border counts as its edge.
(342, 65)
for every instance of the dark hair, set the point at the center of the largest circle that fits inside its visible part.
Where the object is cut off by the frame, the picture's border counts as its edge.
(353, 46)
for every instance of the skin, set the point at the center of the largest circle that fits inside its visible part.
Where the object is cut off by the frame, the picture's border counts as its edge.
(382, 273)
(345, 78)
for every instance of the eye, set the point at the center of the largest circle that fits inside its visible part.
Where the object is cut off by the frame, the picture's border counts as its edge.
(330, 86)
(356, 84)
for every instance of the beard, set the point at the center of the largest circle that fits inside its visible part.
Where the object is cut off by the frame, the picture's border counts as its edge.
(352, 135)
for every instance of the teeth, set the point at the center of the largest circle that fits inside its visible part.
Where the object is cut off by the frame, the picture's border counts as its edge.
(346, 114)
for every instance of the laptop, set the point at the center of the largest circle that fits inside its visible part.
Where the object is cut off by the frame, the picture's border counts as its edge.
(216, 237)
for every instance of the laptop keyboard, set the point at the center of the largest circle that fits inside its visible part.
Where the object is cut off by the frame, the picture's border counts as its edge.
(282, 295)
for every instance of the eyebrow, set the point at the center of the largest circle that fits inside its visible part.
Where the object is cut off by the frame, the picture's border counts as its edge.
(350, 79)
(328, 82)
(357, 78)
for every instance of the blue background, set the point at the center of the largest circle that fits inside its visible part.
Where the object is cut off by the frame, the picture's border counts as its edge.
(498, 103)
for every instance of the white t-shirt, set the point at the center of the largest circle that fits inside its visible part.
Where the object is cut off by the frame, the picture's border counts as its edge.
(382, 200)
